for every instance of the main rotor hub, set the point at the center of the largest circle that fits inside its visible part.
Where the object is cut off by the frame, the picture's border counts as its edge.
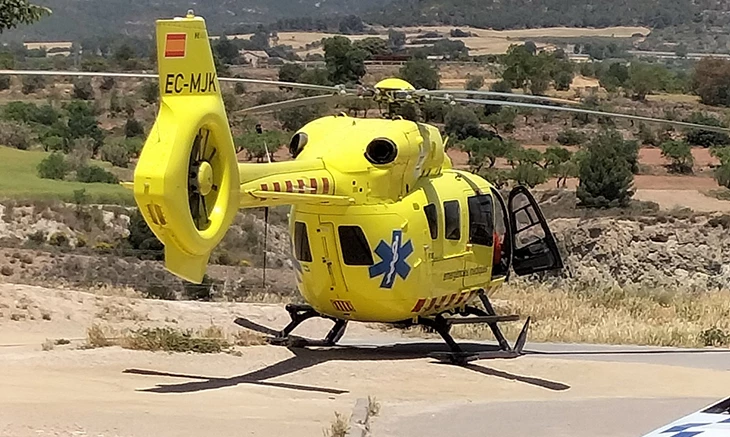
(205, 178)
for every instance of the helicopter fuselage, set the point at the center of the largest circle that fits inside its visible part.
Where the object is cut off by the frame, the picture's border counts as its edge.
(386, 262)
(383, 228)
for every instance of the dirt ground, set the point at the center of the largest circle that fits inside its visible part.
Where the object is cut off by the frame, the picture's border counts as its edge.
(266, 390)
(669, 191)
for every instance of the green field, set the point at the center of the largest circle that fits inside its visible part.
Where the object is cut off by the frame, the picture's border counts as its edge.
(19, 180)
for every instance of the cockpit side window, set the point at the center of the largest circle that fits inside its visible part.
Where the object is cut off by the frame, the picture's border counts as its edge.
(354, 246)
(432, 218)
(302, 251)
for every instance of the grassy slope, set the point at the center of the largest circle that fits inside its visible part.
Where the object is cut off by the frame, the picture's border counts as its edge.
(19, 179)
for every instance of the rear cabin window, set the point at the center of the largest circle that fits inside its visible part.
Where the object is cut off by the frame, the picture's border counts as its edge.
(481, 221)
(432, 218)
(452, 219)
(301, 243)
(355, 247)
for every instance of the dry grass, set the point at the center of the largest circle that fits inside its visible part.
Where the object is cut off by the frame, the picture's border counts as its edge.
(613, 316)
(212, 339)
(245, 337)
(373, 407)
(339, 427)
(97, 337)
(174, 340)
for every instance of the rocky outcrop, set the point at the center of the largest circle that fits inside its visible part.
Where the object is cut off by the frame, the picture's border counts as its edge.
(659, 252)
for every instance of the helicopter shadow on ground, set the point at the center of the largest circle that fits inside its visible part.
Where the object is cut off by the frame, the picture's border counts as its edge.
(308, 357)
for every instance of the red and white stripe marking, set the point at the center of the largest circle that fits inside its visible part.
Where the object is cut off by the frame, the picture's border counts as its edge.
(302, 186)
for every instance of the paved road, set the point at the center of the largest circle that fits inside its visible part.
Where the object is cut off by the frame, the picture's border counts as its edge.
(593, 414)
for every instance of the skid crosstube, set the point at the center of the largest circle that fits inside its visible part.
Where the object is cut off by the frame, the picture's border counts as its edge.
(439, 323)
(298, 314)
(457, 355)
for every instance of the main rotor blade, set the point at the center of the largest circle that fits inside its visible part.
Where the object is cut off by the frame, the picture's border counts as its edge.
(592, 112)
(77, 73)
(304, 86)
(497, 94)
(293, 103)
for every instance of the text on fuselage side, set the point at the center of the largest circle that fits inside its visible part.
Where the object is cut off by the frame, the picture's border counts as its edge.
(464, 273)
(196, 83)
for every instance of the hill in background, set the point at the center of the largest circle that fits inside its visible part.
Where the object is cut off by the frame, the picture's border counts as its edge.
(73, 19)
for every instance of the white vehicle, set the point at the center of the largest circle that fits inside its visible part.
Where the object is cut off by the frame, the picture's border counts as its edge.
(712, 421)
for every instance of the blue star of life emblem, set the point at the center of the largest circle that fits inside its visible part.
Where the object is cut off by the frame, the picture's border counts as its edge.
(685, 430)
(393, 256)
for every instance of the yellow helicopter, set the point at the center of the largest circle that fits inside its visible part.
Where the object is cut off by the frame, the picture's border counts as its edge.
(383, 228)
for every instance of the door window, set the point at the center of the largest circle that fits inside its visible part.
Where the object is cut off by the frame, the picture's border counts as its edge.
(535, 249)
(481, 220)
(452, 219)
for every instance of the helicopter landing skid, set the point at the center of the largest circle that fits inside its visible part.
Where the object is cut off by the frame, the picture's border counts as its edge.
(458, 356)
(298, 314)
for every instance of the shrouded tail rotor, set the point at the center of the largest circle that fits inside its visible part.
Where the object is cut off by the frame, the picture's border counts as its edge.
(186, 182)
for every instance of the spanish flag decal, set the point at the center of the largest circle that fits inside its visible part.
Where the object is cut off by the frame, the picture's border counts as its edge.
(175, 45)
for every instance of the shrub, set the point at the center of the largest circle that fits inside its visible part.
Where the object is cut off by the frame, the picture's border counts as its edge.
(142, 239)
(150, 91)
(54, 166)
(292, 119)
(461, 123)
(705, 138)
(58, 239)
(605, 173)
(291, 72)
(200, 291)
(133, 128)
(31, 84)
(93, 173)
(83, 89)
(116, 154)
(714, 337)
(421, 74)
(133, 146)
(266, 97)
(161, 292)
(434, 111)
(52, 143)
(571, 137)
(4, 83)
(107, 83)
(722, 174)
(474, 83)
(501, 87)
(646, 135)
(680, 156)
(16, 135)
(529, 175)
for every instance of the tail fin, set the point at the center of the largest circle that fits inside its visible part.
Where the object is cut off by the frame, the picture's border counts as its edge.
(186, 182)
